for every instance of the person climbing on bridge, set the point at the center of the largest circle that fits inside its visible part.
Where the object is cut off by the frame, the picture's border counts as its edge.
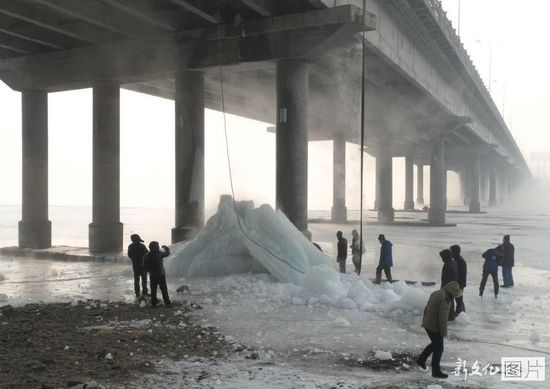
(434, 322)
(507, 262)
(490, 267)
(136, 252)
(462, 272)
(153, 264)
(386, 259)
(449, 273)
(357, 248)
(342, 251)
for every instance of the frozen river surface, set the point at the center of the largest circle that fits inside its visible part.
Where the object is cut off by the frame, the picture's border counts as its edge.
(307, 342)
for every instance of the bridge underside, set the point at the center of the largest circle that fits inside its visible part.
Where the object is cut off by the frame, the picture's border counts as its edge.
(294, 63)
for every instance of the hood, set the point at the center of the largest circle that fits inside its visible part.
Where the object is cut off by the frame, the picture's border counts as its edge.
(453, 289)
(455, 249)
(446, 255)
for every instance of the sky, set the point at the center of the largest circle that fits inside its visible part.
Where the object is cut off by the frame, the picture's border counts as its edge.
(513, 36)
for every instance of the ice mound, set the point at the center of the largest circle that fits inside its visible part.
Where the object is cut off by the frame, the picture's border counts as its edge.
(299, 274)
(273, 245)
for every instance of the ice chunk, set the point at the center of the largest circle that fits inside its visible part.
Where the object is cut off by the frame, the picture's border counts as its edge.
(463, 319)
(324, 279)
(494, 318)
(260, 240)
(382, 355)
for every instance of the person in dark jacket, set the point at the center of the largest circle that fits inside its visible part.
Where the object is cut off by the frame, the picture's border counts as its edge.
(153, 264)
(434, 322)
(136, 252)
(357, 249)
(386, 259)
(507, 262)
(462, 272)
(490, 267)
(449, 273)
(342, 251)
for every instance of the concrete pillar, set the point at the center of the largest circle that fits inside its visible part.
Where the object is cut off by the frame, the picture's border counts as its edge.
(492, 186)
(292, 140)
(189, 141)
(420, 185)
(502, 185)
(436, 215)
(483, 183)
(105, 231)
(474, 205)
(385, 183)
(409, 184)
(35, 230)
(376, 186)
(339, 210)
(466, 175)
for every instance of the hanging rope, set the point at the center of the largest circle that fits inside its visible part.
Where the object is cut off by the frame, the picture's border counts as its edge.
(239, 222)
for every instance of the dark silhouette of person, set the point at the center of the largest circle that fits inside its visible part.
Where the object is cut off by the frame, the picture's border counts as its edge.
(342, 251)
(153, 264)
(507, 262)
(490, 267)
(357, 248)
(434, 322)
(136, 252)
(462, 273)
(449, 273)
(386, 259)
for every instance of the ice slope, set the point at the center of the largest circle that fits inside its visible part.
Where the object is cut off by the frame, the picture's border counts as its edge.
(269, 243)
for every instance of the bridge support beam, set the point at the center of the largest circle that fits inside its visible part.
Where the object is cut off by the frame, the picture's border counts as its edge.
(339, 210)
(492, 186)
(105, 231)
(189, 141)
(385, 183)
(438, 190)
(466, 181)
(409, 184)
(35, 230)
(292, 140)
(420, 185)
(474, 205)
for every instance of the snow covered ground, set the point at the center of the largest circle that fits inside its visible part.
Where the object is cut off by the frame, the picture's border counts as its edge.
(308, 340)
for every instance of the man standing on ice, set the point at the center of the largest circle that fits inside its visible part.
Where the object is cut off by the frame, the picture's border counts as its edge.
(153, 264)
(342, 251)
(507, 262)
(136, 252)
(434, 322)
(386, 259)
(462, 271)
(449, 273)
(357, 249)
(490, 267)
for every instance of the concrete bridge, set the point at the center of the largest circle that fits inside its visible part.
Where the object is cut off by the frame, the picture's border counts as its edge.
(296, 63)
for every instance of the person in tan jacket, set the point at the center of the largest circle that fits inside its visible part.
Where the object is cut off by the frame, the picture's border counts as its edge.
(434, 322)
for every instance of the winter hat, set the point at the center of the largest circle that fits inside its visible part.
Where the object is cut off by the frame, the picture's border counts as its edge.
(446, 255)
(381, 237)
(154, 246)
(455, 249)
(136, 238)
(453, 288)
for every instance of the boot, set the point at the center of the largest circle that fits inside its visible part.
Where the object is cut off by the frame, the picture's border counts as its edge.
(439, 374)
(422, 364)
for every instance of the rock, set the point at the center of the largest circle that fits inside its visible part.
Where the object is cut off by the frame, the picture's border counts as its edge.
(6, 309)
(47, 386)
(109, 356)
(182, 289)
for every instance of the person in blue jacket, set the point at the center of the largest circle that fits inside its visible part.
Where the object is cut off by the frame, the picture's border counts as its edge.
(490, 267)
(386, 260)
